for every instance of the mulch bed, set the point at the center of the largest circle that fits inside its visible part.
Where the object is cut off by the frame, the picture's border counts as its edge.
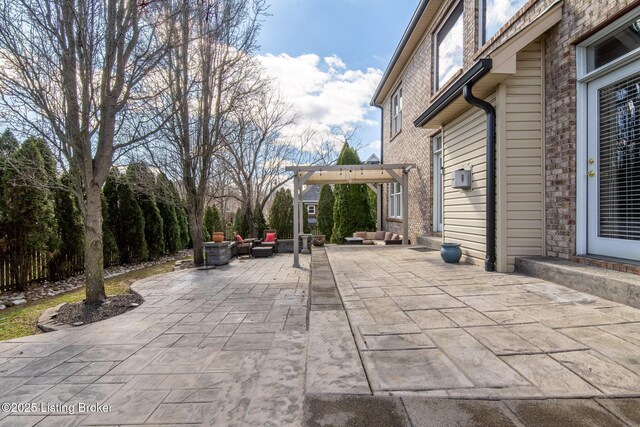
(89, 313)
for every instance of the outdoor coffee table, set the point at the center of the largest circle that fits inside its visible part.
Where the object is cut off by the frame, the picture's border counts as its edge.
(261, 251)
(354, 240)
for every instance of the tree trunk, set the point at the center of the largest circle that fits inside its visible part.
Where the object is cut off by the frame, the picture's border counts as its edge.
(93, 257)
(195, 228)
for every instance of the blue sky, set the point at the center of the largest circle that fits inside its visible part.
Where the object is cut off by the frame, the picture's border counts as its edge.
(329, 56)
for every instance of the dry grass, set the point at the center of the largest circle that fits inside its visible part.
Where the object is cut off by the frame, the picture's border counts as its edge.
(21, 320)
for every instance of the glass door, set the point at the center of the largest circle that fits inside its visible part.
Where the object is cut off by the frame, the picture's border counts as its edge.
(613, 188)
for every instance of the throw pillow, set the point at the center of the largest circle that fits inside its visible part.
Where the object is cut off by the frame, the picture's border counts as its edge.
(271, 237)
(379, 235)
(239, 238)
(395, 236)
(388, 235)
(361, 234)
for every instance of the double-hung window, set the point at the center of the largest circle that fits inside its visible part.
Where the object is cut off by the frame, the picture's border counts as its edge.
(395, 200)
(311, 209)
(396, 112)
(494, 14)
(448, 44)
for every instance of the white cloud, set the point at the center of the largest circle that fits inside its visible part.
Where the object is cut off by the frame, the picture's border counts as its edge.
(334, 61)
(323, 92)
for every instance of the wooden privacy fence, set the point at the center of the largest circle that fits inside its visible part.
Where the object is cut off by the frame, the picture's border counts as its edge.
(39, 269)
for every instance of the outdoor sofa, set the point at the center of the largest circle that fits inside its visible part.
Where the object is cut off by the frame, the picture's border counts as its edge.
(379, 237)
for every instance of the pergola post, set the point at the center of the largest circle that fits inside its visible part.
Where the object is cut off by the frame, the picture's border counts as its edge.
(296, 194)
(300, 211)
(379, 206)
(405, 207)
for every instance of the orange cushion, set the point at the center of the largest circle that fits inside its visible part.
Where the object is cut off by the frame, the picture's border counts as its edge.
(271, 237)
(239, 238)
(361, 234)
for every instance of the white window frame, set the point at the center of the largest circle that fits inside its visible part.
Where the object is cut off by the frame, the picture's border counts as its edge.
(311, 209)
(394, 207)
(583, 78)
(438, 187)
(396, 112)
(436, 36)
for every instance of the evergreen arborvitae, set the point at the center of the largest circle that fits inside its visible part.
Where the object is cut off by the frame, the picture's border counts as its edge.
(70, 231)
(325, 211)
(281, 214)
(8, 145)
(131, 240)
(110, 252)
(168, 211)
(183, 221)
(372, 197)
(259, 222)
(171, 227)
(211, 222)
(351, 211)
(143, 182)
(240, 224)
(28, 218)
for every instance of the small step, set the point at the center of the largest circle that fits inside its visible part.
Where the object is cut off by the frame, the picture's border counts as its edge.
(432, 242)
(612, 285)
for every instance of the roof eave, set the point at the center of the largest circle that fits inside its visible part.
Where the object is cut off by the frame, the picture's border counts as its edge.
(475, 73)
(396, 55)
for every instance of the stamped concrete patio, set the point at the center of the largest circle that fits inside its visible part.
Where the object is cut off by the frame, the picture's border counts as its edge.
(213, 347)
(395, 337)
(423, 327)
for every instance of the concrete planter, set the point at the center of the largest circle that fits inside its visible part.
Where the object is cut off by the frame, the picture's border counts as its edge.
(217, 253)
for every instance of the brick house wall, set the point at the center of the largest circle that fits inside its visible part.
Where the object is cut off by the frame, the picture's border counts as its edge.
(413, 144)
(579, 17)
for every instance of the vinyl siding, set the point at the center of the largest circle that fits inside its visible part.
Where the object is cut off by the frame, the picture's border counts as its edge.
(524, 156)
(464, 210)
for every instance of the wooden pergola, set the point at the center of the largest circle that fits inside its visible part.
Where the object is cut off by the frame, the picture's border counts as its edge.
(372, 175)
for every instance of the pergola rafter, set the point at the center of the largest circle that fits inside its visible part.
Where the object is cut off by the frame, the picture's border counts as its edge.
(372, 175)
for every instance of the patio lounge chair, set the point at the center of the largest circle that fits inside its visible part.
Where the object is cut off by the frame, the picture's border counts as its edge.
(244, 246)
(270, 238)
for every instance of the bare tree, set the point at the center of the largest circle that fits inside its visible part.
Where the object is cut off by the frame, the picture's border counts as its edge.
(69, 73)
(259, 149)
(208, 73)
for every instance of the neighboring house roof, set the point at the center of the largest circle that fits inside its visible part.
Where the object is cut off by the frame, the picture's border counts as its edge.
(313, 195)
(372, 160)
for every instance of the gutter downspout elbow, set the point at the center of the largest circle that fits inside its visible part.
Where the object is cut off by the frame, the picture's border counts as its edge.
(490, 258)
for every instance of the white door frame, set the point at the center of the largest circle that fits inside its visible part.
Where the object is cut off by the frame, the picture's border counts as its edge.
(597, 245)
(582, 119)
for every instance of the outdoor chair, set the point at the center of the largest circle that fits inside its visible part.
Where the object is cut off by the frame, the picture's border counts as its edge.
(270, 238)
(244, 246)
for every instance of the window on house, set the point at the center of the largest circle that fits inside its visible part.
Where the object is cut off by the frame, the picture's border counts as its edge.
(311, 209)
(622, 41)
(395, 200)
(396, 112)
(436, 143)
(494, 14)
(449, 47)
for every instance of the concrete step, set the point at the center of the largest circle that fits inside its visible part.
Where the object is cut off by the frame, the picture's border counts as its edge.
(432, 242)
(612, 285)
